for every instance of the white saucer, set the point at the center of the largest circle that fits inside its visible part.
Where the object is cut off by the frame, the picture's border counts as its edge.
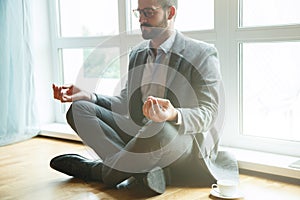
(215, 192)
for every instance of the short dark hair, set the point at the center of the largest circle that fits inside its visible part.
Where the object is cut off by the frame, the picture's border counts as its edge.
(168, 3)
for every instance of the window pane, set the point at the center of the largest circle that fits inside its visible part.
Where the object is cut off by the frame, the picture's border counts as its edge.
(195, 15)
(191, 15)
(269, 12)
(88, 17)
(271, 90)
(99, 67)
(135, 25)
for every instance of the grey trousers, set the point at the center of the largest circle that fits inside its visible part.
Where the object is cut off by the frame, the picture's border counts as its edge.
(125, 147)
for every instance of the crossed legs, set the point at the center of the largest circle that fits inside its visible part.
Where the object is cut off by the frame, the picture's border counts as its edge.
(126, 148)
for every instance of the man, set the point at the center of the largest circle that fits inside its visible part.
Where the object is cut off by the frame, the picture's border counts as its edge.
(162, 128)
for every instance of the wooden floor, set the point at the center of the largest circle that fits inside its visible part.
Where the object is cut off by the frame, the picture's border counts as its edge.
(25, 175)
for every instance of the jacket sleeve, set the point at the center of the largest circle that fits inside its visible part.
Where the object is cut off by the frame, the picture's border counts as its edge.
(205, 80)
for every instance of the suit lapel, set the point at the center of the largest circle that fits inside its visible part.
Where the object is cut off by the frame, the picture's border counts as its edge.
(137, 69)
(134, 84)
(175, 58)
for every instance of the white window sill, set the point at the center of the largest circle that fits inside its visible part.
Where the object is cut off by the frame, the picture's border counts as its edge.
(268, 163)
(254, 161)
(59, 130)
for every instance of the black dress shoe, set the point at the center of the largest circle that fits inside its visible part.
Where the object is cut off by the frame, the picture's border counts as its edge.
(152, 182)
(78, 167)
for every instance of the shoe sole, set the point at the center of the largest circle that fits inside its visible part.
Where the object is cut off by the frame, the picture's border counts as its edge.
(155, 180)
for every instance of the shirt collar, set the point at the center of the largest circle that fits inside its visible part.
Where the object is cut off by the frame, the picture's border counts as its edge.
(166, 45)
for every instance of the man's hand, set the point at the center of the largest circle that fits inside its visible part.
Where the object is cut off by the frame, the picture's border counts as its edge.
(159, 110)
(69, 93)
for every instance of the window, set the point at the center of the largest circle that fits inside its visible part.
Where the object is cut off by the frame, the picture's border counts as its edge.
(99, 65)
(262, 78)
(269, 12)
(81, 18)
(193, 15)
(86, 45)
(271, 90)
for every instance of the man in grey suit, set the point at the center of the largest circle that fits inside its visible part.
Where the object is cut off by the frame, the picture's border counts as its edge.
(164, 126)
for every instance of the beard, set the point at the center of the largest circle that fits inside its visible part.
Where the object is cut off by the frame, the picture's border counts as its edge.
(149, 32)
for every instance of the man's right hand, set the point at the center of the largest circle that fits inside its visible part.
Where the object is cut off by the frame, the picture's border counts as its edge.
(69, 93)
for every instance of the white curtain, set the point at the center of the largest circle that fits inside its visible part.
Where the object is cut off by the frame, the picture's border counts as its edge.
(18, 115)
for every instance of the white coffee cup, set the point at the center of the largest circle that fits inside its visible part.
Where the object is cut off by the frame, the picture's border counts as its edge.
(226, 188)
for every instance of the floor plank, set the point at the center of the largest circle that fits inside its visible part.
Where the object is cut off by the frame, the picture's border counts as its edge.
(25, 175)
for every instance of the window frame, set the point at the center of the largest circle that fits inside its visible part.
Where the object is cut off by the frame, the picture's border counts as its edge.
(227, 36)
(59, 43)
(232, 136)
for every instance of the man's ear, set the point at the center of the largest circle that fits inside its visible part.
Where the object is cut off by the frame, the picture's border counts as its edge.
(172, 12)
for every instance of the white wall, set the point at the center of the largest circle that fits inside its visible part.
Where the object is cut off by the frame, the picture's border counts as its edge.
(43, 62)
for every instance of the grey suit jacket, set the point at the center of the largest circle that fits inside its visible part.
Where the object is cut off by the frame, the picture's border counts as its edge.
(193, 86)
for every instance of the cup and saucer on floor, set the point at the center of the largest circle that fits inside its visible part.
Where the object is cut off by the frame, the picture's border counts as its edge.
(226, 189)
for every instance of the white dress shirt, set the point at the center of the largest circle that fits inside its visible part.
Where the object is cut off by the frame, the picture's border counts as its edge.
(155, 72)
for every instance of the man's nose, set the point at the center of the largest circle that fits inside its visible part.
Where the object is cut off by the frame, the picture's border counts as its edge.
(142, 18)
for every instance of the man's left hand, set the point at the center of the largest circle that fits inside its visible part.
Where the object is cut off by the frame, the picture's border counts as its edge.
(159, 110)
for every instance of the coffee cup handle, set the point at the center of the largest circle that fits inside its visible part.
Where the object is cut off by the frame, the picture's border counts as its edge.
(213, 186)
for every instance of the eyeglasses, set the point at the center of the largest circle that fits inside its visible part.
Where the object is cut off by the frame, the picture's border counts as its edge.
(147, 12)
